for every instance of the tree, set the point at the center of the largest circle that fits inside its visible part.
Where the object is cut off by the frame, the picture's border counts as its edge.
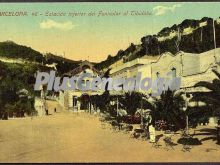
(169, 107)
(102, 101)
(211, 98)
(12, 84)
(132, 101)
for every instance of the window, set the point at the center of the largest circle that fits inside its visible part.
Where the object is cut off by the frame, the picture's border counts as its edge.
(158, 74)
(74, 101)
(173, 72)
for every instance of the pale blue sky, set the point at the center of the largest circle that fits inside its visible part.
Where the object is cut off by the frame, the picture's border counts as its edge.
(96, 37)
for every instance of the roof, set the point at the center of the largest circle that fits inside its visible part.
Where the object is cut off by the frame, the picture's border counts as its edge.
(84, 65)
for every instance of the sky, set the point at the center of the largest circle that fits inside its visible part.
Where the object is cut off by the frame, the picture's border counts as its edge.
(95, 37)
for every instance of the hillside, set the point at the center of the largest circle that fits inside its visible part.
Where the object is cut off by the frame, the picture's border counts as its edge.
(196, 36)
(18, 67)
(11, 50)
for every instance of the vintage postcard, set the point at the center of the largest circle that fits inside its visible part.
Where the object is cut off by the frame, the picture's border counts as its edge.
(109, 82)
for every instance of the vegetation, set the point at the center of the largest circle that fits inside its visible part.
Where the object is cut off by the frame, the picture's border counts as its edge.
(112, 59)
(63, 65)
(10, 49)
(16, 87)
(132, 101)
(101, 101)
(169, 108)
(15, 77)
(199, 41)
(211, 100)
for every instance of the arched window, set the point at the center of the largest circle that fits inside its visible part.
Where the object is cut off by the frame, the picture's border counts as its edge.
(83, 82)
(74, 101)
(173, 72)
(84, 67)
(158, 74)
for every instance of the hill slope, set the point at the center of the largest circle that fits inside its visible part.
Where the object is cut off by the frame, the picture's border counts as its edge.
(12, 50)
(196, 37)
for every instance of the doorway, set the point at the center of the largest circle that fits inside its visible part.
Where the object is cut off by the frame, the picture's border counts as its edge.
(85, 101)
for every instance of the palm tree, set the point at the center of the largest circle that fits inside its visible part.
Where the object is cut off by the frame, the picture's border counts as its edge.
(169, 107)
(131, 101)
(210, 98)
(102, 101)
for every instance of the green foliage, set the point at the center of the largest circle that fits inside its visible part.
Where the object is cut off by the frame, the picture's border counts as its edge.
(10, 49)
(112, 59)
(132, 101)
(102, 101)
(211, 99)
(14, 78)
(170, 109)
(192, 43)
(63, 65)
(20, 106)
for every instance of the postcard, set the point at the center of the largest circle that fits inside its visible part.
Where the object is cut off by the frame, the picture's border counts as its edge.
(109, 82)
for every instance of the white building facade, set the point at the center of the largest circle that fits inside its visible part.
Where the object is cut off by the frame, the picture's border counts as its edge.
(191, 68)
(79, 100)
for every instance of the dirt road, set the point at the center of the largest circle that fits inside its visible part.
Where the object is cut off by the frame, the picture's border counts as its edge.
(71, 137)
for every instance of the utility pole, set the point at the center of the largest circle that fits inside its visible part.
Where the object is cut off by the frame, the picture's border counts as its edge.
(187, 118)
(117, 106)
(177, 42)
(142, 122)
(214, 38)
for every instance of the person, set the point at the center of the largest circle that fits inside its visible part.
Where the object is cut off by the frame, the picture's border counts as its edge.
(152, 133)
(46, 110)
(5, 116)
(147, 122)
(55, 110)
(151, 128)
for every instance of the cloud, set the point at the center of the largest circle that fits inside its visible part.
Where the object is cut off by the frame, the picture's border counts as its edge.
(49, 24)
(160, 10)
